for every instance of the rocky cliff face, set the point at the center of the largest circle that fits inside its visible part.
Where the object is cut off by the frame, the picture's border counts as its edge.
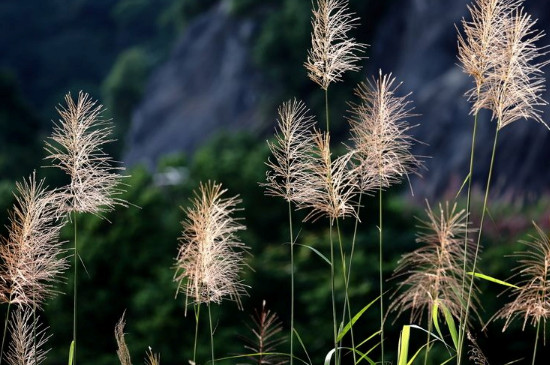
(417, 42)
(210, 84)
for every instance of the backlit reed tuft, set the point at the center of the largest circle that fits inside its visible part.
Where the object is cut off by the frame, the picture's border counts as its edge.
(433, 272)
(211, 256)
(291, 148)
(76, 147)
(499, 51)
(32, 257)
(380, 136)
(122, 351)
(332, 52)
(329, 185)
(532, 296)
(28, 339)
(152, 358)
(479, 48)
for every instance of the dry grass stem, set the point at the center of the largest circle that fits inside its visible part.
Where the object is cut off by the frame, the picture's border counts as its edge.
(332, 52)
(532, 297)
(122, 351)
(210, 256)
(329, 186)
(291, 148)
(380, 136)
(76, 147)
(27, 339)
(33, 260)
(434, 271)
(266, 332)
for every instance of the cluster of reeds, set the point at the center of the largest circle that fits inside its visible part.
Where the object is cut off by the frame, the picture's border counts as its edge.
(497, 48)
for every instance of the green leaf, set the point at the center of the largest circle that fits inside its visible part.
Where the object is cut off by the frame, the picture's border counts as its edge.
(71, 353)
(328, 357)
(451, 325)
(446, 361)
(462, 186)
(302, 343)
(491, 279)
(347, 327)
(404, 345)
(316, 252)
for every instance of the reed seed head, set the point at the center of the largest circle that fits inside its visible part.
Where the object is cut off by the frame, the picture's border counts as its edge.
(532, 294)
(380, 134)
(32, 255)
(329, 185)
(76, 147)
(122, 351)
(211, 256)
(434, 272)
(290, 150)
(332, 52)
(28, 339)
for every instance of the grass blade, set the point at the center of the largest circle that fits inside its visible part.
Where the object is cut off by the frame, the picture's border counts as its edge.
(492, 279)
(316, 252)
(348, 326)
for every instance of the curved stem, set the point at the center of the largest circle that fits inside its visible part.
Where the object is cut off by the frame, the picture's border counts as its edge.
(485, 199)
(211, 333)
(197, 308)
(380, 272)
(461, 328)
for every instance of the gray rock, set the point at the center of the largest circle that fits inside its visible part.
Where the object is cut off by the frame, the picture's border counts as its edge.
(207, 85)
(418, 43)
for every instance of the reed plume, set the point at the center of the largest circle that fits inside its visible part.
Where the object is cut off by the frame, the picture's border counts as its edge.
(433, 272)
(122, 351)
(532, 294)
(330, 185)
(499, 51)
(290, 150)
(32, 254)
(76, 147)
(152, 358)
(379, 128)
(266, 330)
(210, 256)
(332, 52)
(28, 338)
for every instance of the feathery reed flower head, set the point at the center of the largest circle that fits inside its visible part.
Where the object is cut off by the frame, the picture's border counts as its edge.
(76, 147)
(122, 352)
(152, 358)
(379, 133)
(532, 296)
(210, 256)
(329, 185)
(498, 50)
(291, 148)
(480, 46)
(32, 254)
(27, 339)
(332, 52)
(434, 271)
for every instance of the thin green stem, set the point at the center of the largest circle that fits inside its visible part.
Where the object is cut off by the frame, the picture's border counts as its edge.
(5, 329)
(326, 111)
(75, 286)
(197, 308)
(211, 333)
(380, 272)
(291, 284)
(347, 303)
(476, 253)
(536, 343)
(354, 234)
(334, 320)
(428, 339)
(462, 326)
